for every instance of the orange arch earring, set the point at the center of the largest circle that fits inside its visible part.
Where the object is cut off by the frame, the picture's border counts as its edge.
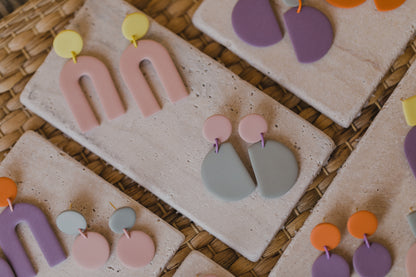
(68, 44)
(134, 27)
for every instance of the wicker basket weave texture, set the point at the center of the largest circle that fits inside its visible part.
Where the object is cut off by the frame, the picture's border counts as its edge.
(26, 37)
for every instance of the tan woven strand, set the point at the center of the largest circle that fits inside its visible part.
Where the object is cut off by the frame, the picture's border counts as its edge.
(25, 39)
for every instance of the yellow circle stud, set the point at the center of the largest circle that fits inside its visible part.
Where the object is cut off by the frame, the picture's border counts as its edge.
(67, 44)
(135, 26)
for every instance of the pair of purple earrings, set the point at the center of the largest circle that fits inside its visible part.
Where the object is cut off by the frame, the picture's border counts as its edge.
(224, 174)
(68, 44)
(370, 259)
(310, 31)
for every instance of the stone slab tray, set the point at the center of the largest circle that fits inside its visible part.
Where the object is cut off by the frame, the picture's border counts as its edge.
(197, 264)
(377, 178)
(164, 152)
(366, 44)
(52, 180)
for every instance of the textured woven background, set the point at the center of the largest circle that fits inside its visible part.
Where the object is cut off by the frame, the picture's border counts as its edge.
(26, 37)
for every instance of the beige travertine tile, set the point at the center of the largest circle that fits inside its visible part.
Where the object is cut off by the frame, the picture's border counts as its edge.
(197, 264)
(377, 178)
(164, 152)
(365, 46)
(52, 180)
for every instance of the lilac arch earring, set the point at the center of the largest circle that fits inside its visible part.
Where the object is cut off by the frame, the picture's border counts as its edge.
(68, 44)
(134, 27)
(274, 164)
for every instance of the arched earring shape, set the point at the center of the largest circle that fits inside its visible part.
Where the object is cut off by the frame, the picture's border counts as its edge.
(90, 249)
(274, 164)
(5, 269)
(135, 249)
(255, 23)
(134, 27)
(370, 259)
(325, 237)
(68, 44)
(410, 149)
(411, 253)
(222, 171)
(38, 223)
(311, 33)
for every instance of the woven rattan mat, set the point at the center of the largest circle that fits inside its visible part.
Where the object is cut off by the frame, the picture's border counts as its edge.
(26, 37)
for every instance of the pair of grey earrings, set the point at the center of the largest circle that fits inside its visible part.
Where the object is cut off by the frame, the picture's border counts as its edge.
(224, 174)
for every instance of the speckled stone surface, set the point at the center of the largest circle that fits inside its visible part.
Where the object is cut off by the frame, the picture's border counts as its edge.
(366, 44)
(377, 178)
(164, 152)
(197, 264)
(52, 180)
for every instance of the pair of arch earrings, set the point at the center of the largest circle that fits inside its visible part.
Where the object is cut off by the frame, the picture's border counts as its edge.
(68, 44)
(135, 249)
(370, 259)
(224, 174)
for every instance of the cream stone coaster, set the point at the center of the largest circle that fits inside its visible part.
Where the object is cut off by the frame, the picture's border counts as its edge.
(164, 152)
(197, 264)
(366, 44)
(376, 178)
(52, 180)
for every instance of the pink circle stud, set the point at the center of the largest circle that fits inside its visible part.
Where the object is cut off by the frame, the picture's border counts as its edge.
(217, 127)
(91, 252)
(137, 250)
(252, 127)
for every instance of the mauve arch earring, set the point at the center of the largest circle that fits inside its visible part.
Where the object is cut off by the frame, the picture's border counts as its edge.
(222, 171)
(134, 27)
(68, 44)
(274, 164)
(5, 269)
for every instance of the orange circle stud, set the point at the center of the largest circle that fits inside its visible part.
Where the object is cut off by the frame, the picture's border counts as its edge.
(325, 234)
(388, 5)
(362, 222)
(345, 4)
(8, 190)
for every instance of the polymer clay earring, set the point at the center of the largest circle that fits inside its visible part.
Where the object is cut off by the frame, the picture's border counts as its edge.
(222, 171)
(411, 253)
(274, 164)
(310, 31)
(134, 27)
(135, 249)
(409, 110)
(9, 241)
(370, 259)
(381, 5)
(90, 249)
(325, 237)
(68, 44)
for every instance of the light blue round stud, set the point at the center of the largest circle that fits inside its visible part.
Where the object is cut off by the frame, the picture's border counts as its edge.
(292, 3)
(70, 221)
(123, 218)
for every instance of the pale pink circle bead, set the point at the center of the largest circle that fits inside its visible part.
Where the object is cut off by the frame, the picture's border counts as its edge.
(217, 127)
(251, 127)
(91, 252)
(136, 251)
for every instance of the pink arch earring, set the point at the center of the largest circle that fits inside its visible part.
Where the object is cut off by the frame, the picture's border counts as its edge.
(90, 249)
(222, 171)
(134, 27)
(370, 259)
(135, 249)
(274, 164)
(68, 44)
